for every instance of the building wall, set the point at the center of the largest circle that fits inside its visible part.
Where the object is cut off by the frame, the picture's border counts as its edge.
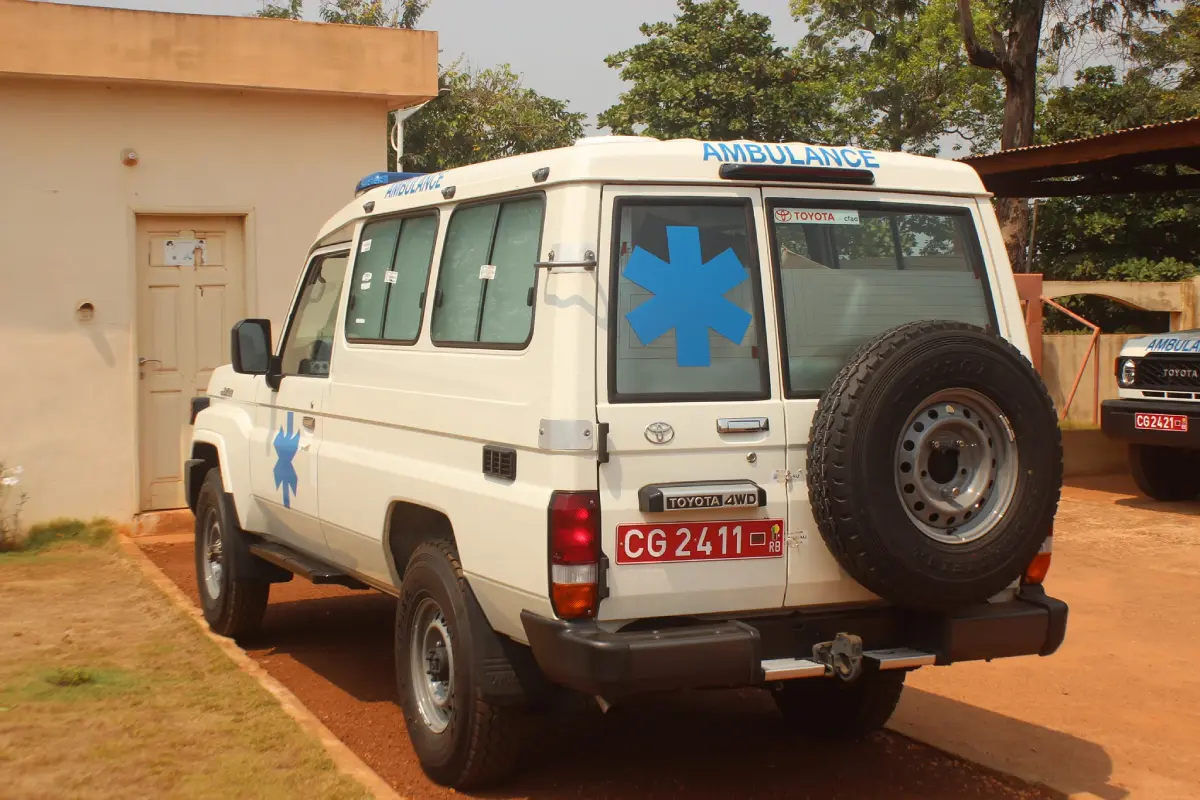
(68, 406)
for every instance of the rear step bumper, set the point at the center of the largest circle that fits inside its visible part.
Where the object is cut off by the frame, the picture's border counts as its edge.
(581, 656)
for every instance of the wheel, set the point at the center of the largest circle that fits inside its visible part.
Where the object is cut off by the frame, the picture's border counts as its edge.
(461, 740)
(935, 465)
(841, 709)
(1165, 473)
(233, 603)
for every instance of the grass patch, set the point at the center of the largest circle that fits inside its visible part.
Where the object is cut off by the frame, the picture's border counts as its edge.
(63, 530)
(108, 691)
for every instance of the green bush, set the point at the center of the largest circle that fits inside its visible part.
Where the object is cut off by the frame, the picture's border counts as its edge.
(65, 529)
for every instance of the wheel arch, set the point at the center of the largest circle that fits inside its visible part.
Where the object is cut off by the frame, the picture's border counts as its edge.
(406, 526)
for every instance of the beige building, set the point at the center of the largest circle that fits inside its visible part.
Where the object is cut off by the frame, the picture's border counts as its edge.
(162, 176)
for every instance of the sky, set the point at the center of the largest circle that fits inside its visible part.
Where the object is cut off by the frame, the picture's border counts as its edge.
(558, 46)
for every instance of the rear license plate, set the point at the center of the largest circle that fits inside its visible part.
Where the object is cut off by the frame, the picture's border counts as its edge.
(1161, 422)
(699, 541)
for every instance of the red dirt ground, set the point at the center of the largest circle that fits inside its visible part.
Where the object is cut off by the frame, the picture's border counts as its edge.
(332, 648)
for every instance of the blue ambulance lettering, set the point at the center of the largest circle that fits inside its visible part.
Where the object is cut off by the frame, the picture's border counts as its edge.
(1174, 345)
(794, 155)
(425, 183)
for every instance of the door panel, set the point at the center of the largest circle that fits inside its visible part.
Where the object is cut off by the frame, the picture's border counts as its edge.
(692, 345)
(190, 279)
(848, 268)
(290, 426)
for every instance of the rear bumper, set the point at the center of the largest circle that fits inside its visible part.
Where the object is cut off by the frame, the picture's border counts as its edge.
(1117, 422)
(580, 656)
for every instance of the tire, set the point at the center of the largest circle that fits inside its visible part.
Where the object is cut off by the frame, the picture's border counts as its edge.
(921, 411)
(1165, 473)
(233, 603)
(839, 709)
(465, 742)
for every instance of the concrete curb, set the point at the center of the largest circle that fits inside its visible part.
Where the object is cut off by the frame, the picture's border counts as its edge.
(343, 757)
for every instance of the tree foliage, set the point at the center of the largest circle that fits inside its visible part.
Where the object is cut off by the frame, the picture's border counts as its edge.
(715, 73)
(487, 114)
(1140, 237)
(402, 14)
(899, 74)
(1012, 48)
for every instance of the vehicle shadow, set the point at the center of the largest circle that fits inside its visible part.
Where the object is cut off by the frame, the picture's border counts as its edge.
(333, 648)
(1009, 745)
(716, 744)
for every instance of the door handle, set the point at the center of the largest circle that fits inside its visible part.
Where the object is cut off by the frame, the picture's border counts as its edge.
(144, 361)
(309, 423)
(743, 425)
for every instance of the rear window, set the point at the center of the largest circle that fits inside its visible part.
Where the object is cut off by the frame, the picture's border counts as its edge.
(688, 302)
(849, 272)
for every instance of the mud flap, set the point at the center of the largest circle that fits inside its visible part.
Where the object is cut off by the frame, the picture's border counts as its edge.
(504, 670)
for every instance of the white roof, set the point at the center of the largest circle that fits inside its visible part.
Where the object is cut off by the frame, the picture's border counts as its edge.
(623, 159)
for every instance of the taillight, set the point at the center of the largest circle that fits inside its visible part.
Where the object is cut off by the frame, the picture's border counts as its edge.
(575, 553)
(1037, 569)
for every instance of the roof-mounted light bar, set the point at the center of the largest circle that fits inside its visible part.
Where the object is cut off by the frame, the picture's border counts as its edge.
(803, 174)
(383, 179)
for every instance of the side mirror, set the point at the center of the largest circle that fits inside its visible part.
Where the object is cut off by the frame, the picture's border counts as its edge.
(251, 346)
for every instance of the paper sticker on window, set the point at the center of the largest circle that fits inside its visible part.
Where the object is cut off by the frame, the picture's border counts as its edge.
(390, 276)
(366, 245)
(816, 216)
(487, 272)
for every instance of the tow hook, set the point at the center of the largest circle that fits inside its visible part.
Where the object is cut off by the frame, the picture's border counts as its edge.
(843, 656)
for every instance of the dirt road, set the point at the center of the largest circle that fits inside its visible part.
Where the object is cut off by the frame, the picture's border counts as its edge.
(1113, 713)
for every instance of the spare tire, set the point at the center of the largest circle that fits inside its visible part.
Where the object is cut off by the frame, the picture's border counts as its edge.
(935, 465)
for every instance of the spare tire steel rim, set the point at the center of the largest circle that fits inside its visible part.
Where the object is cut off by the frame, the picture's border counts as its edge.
(956, 466)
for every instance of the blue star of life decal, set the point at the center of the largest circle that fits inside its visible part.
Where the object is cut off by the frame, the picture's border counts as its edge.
(286, 445)
(689, 296)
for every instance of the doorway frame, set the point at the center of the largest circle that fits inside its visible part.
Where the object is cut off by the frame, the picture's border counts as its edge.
(249, 219)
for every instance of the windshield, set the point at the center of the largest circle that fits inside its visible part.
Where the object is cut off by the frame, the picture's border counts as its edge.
(851, 271)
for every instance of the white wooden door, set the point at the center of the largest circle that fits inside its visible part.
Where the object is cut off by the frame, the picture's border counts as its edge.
(190, 293)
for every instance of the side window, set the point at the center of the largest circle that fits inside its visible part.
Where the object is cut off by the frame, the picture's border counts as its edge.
(486, 281)
(687, 314)
(388, 285)
(309, 341)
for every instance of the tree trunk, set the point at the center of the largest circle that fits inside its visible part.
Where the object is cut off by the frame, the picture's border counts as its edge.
(1016, 59)
(1019, 106)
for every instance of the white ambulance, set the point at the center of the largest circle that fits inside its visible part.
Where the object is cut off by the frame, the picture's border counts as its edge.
(635, 416)
(1158, 413)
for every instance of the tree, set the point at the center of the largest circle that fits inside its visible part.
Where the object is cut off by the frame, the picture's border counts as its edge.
(900, 75)
(1015, 36)
(1172, 53)
(716, 73)
(486, 114)
(1141, 237)
(292, 9)
(403, 14)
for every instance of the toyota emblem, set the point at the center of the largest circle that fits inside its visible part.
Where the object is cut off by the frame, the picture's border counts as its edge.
(659, 433)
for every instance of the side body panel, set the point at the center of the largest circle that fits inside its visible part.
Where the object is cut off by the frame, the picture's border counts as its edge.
(408, 424)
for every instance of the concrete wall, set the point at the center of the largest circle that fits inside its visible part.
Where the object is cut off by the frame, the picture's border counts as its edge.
(1062, 355)
(68, 408)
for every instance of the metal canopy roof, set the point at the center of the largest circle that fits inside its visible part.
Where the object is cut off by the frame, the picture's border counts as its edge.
(1110, 163)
